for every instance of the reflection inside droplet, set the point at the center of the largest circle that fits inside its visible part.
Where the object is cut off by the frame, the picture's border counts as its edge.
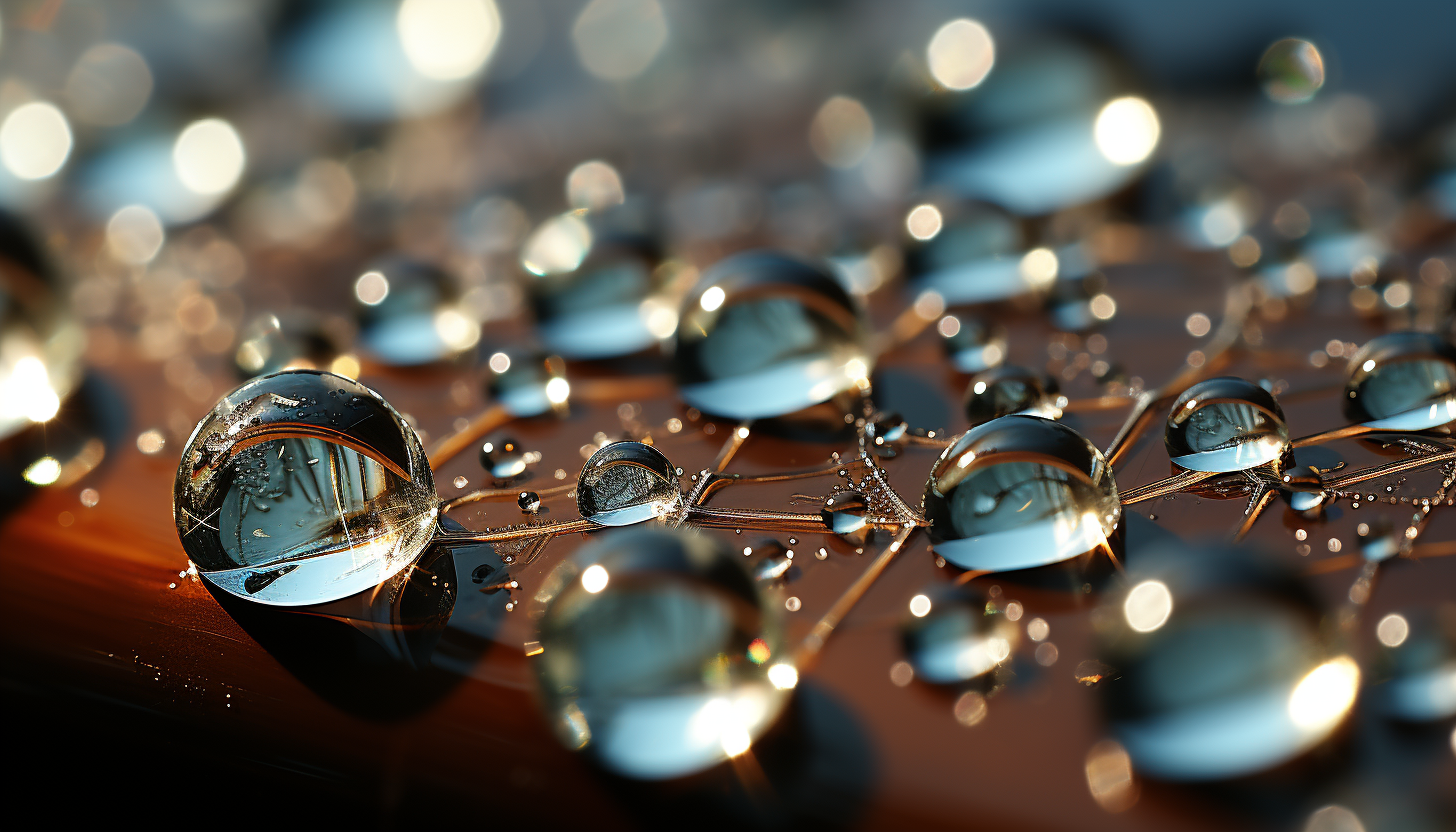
(959, 637)
(303, 487)
(1004, 391)
(625, 483)
(1402, 381)
(1225, 424)
(665, 664)
(1291, 71)
(1019, 492)
(409, 314)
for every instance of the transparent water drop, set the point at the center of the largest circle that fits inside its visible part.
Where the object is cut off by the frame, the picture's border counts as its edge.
(1402, 381)
(1416, 668)
(1011, 390)
(974, 258)
(1020, 492)
(765, 335)
(1291, 71)
(290, 339)
(976, 346)
(962, 637)
(529, 502)
(1225, 424)
(886, 434)
(309, 446)
(595, 293)
(848, 515)
(1304, 493)
(503, 459)
(527, 384)
(1224, 668)
(773, 562)
(627, 482)
(660, 653)
(1379, 539)
(41, 341)
(409, 314)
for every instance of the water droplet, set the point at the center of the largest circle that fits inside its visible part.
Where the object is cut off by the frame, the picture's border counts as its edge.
(975, 346)
(1010, 390)
(625, 483)
(847, 514)
(1402, 381)
(529, 501)
(886, 434)
(1236, 679)
(1020, 492)
(975, 258)
(1418, 670)
(1225, 424)
(368, 507)
(1378, 540)
(667, 669)
(959, 639)
(593, 289)
(409, 314)
(40, 363)
(1291, 71)
(1305, 494)
(774, 562)
(293, 338)
(527, 384)
(503, 459)
(764, 335)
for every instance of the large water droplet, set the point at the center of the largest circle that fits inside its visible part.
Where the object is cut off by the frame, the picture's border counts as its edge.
(503, 459)
(1402, 381)
(1223, 670)
(1019, 492)
(764, 335)
(960, 637)
(658, 653)
(1010, 390)
(886, 434)
(409, 314)
(594, 291)
(527, 384)
(974, 258)
(290, 339)
(625, 483)
(303, 487)
(1225, 424)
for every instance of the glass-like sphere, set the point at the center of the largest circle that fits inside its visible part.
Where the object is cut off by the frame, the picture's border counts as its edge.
(593, 288)
(848, 514)
(1402, 381)
(1019, 492)
(1011, 390)
(291, 339)
(527, 384)
(975, 257)
(625, 483)
(409, 314)
(961, 636)
(765, 335)
(660, 653)
(503, 459)
(1222, 668)
(1225, 424)
(40, 341)
(976, 346)
(303, 487)
(1291, 71)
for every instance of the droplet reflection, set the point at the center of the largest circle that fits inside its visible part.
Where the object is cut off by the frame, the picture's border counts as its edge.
(625, 483)
(1402, 381)
(1225, 424)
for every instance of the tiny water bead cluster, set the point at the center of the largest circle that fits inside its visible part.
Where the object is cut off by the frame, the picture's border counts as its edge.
(302, 487)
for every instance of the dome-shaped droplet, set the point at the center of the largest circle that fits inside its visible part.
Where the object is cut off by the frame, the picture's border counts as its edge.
(1222, 667)
(847, 514)
(409, 314)
(627, 482)
(503, 459)
(1225, 424)
(773, 561)
(1050, 127)
(886, 434)
(527, 384)
(976, 346)
(1416, 671)
(40, 340)
(303, 487)
(764, 335)
(529, 502)
(1379, 539)
(288, 340)
(975, 256)
(1402, 381)
(1304, 493)
(1011, 390)
(660, 653)
(1291, 71)
(955, 635)
(1019, 492)
(593, 287)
